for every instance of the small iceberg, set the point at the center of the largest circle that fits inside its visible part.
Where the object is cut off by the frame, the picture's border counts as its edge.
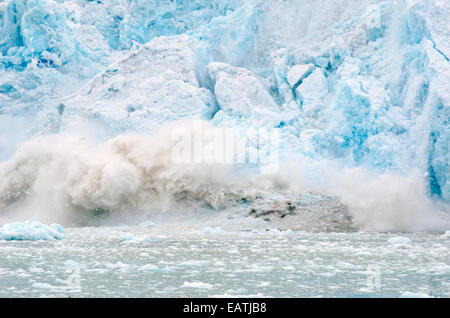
(198, 285)
(213, 230)
(147, 224)
(415, 295)
(30, 231)
(132, 239)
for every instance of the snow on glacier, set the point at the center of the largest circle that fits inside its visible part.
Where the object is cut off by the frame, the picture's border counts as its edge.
(365, 83)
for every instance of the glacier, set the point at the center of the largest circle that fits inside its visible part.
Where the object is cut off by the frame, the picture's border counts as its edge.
(349, 84)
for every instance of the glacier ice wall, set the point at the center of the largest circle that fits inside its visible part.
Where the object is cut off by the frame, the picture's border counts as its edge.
(362, 83)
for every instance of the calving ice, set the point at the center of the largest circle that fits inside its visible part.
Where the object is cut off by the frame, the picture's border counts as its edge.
(365, 90)
(258, 137)
(230, 307)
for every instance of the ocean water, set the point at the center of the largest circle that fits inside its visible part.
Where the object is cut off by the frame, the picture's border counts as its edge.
(166, 261)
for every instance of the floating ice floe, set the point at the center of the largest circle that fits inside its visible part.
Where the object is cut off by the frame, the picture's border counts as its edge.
(415, 295)
(213, 230)
(132, 239)
(147, 224)
(199, 285)
(399, 240)
(30, 231)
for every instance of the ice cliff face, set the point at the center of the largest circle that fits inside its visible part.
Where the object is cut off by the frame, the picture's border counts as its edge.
(364, 83)
(132, 94)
